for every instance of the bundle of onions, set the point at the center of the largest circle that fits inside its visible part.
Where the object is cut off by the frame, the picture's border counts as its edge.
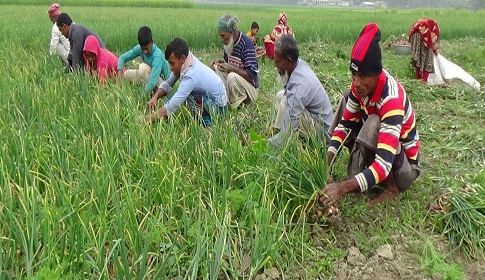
(463, 220)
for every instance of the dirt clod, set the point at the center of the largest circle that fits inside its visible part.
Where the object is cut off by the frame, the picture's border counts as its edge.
(355, 257)
(385, 251)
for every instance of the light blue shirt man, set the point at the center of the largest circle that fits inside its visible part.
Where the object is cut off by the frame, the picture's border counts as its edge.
(199, 80)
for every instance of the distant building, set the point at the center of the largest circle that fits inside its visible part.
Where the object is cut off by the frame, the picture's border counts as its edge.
(380, 4)
(368, 5)
(327, 3)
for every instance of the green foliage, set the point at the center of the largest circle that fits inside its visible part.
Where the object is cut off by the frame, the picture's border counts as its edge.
(260, 143)
(325, 263)
(107, 3)
(302, 166)
(87, 192)
(433, 263)
(464, 220)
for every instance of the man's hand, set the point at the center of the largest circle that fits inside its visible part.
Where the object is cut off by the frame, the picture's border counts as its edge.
(152, 103)
(214, 63)
(226, 67)
(332, 192)
(330, 195)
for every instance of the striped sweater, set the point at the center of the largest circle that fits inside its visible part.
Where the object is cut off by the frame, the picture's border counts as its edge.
(244, 57)
(398, 124)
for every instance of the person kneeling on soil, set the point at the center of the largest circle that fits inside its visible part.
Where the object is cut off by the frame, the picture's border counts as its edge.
(154, 68)
(303, 107)
(239, 67)
(203, 90)
(377, 123)
(100, 63)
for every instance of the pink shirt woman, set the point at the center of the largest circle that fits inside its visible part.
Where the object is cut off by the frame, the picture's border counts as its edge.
(99, 60)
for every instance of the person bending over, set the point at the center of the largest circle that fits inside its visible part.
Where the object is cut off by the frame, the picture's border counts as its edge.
(100, 63)
(199, 86)
(377, 122)
(303, 107)
(77, 35)
(154, 68)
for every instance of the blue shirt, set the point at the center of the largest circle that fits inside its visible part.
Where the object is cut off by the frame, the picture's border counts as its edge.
(305, 92)
(244, 56)
(156, 60)
(199, 79)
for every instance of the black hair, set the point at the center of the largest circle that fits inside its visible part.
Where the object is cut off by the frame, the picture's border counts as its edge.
(254, 25)
(144, 36)
(177, 47)
(64, 18)
(288, 46)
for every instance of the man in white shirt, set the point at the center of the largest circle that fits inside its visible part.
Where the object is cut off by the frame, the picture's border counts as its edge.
(59, 44)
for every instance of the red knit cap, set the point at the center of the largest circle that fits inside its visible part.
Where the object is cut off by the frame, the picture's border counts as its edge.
(54, 9)
(366, 54)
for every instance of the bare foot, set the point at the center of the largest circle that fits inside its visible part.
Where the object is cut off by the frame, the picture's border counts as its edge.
(386, 195)
(390, 191)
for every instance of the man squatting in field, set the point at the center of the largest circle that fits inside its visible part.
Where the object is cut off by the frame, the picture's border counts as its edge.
(77, 35)
(303, 107)
(100, 63)
(59, 44)
(239, 69)
(154, 68)
(199, 86)
(377, 123)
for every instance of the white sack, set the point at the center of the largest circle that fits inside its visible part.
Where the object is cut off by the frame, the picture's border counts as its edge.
(446, 71)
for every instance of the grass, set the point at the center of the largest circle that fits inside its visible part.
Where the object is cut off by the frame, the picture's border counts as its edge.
(434, 264)
(107, 3)
(88, 193)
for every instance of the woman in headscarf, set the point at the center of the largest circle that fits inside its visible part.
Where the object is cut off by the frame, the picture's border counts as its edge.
(100, 62)
(59, 44)
(281, 29)
(429, 64)
(424, 37)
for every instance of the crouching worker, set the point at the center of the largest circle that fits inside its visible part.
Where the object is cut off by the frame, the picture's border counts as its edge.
(77, 35)
(377, 124)
(239, 67)
(59, 43)
(100, 62)
(199, 86)
(154, 68)
(303, 107)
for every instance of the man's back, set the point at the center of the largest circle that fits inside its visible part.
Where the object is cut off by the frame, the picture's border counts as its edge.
(198, 80)
(305, 86)
(77, 37)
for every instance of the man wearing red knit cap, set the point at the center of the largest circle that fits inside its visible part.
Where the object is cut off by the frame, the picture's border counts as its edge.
(376, 121)
(59, 44)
